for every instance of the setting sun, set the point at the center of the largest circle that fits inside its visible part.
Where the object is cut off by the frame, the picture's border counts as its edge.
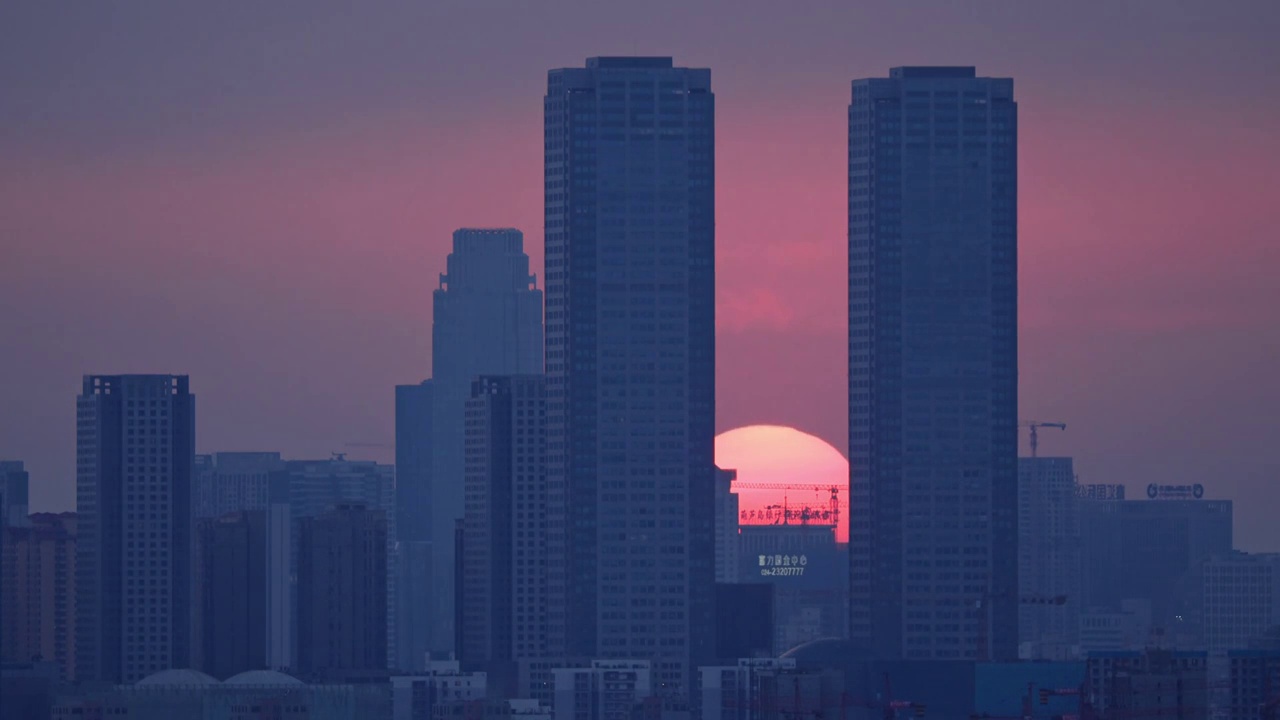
(772, 458)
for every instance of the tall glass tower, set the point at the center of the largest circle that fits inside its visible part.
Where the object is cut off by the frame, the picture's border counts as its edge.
(933, 374)
(630, 236)
(487, 320)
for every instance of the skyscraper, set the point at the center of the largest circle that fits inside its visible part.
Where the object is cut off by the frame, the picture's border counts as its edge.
(630, 266)
(232, 561)
(412, 568)
(38, 591)
(135, 453)
(504, 613)
(342, 592)
(933, 364)
(1048, 556)
(487, 320)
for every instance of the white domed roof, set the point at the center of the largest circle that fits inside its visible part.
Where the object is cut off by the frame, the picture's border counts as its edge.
(263, 677)
(184, 677)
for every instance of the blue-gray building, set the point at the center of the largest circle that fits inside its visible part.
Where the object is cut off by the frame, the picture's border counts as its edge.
(135, 457)
(14, 481)
(415, 602)
(487, 320)
(933, 364)
(630, 267)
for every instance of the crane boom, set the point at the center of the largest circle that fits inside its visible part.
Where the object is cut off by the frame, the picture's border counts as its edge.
(1035, 425)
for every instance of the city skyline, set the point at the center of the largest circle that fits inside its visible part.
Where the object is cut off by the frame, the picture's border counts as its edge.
(1149, 341)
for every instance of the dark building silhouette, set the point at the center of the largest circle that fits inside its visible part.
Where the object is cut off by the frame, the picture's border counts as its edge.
(933, 392)
(1153, 550)
(233, 593)
(487, 320)
(415, 601)
(744, 621)
(135, 453)
(342, 592)
(14, 481)
(1048, 557)
(630, 362)
(38, 592)
(503, 608)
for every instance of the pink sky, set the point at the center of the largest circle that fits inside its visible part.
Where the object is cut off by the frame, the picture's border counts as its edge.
(275, 230)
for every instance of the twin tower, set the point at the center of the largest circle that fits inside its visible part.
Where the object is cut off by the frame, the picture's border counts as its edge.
(615, 518)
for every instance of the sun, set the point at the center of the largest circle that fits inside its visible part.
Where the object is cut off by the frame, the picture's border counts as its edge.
(782, 456)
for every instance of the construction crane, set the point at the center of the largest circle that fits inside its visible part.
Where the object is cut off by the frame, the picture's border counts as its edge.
(1034, 425)
(833, 505)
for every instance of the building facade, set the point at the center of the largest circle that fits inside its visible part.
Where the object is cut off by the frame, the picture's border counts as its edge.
(727, 541)
(228, 482)
(415, 601)
(804, 565)
(38, 592)
(1153, 550)
(14, 481)
(630, 361)
(487, 320)
(1241, 600)
(607, 690)
(1048, 557)
(232, 563)
(504, 608)
(313, 487)
(342, 592)
(135, 457)
(933, 391)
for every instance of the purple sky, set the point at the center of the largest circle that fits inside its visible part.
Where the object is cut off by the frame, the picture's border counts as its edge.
(261, 195)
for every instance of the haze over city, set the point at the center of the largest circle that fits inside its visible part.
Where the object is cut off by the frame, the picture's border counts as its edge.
(639, 361)
(262, 197)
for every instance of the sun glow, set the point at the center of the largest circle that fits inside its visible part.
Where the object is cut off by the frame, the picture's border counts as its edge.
(772, 458)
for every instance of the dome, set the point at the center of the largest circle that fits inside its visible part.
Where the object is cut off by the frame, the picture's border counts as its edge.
(184, 677)
(261, 678)
(827, 652)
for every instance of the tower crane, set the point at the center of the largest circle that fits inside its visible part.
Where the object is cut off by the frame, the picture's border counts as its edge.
(833, 505)
(1034, 425)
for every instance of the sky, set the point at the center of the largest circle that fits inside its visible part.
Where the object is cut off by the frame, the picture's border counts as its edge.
(261, 195)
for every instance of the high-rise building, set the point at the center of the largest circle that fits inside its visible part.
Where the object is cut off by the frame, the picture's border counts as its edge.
(1240, 601)
(808, 574)
(933, 375)
(1048, 557)
(630, 266)
(1153, 550)
(342, 592)
(135, 455)
(1150, 684)
(727, 541)
(232, 581)
(487, 320)
(316, 486)
(38, 592)
(1255, 683)
(503, 613)
(228, 482)
(13, 493)
(414, 597)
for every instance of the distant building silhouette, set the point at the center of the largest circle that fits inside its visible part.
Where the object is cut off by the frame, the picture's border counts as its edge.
(504, 609)
(727, 522)
(228, 482)
(1241, 600)
(233, 593)
(487, 320)
(135, 452)
(607, 690)
(806, 569)
(1048, 557)
(415, 599)
(38, 592)
(13, 493)
(933, 372)
(316, 486)
(630, 266)
(342, 592)
(1153, 550)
